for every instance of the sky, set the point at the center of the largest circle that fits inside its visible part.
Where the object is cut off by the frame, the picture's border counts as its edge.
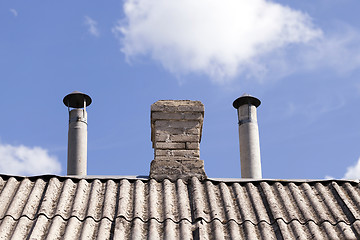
(300, 58)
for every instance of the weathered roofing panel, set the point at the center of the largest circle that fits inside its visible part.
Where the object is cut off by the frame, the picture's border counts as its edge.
(52, 207)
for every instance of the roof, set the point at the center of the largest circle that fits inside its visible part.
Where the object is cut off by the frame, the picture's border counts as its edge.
(54, 207)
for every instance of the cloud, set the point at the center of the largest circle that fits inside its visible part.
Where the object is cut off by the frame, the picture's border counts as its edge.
(314, 107)
(22, 160)
(336, 51)
(13, 11)
(218, 38)
(92, 26)
(353, 172)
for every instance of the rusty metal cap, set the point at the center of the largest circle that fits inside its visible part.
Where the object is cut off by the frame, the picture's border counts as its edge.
(76, 100)
(246, 99)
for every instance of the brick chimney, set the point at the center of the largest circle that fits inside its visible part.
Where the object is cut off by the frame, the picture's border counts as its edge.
(176, 127)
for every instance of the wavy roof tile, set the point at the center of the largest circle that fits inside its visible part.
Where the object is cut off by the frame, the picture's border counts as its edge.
(53, 207)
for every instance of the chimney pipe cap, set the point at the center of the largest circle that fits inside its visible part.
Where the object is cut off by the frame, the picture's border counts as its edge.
(76, 100)
(246, 99)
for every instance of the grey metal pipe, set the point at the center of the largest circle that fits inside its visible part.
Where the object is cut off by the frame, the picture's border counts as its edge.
(77, 142)
(249, 136)
(77, 135)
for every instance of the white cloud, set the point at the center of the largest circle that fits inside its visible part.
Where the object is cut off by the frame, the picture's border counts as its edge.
(315, 106)
(219, 38)
(22, 160)
(13, 11)
(353, 172)
(339, 50)
(92, 26)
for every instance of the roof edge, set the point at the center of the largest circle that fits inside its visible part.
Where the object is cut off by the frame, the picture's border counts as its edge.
(146, 178)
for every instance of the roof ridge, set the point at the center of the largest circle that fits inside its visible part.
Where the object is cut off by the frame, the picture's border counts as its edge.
(146, 179)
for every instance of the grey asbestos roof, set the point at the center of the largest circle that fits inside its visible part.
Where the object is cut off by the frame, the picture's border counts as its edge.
(53, 207)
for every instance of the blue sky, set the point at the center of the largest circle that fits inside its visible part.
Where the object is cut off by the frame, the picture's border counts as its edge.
(301, 58)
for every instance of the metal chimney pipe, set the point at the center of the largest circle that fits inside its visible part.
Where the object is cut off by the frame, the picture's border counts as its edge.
(249, 136)
(77, 136)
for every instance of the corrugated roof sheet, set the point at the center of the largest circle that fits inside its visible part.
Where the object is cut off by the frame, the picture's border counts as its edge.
(52, 207)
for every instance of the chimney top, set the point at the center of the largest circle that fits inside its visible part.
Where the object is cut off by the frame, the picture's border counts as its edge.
(76, 99)
(246, 99)
(176, 127)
